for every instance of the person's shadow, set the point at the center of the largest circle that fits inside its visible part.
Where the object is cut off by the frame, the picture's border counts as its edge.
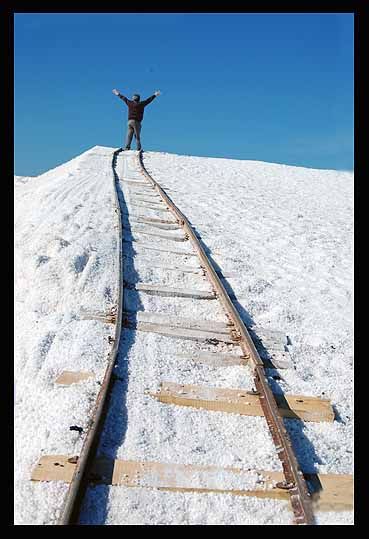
(95, 507)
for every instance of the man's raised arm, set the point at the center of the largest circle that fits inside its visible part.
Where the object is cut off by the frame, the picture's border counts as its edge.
(115, 92)
(149, 99)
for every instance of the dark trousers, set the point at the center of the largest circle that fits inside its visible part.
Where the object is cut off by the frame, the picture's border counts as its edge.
(134, 126)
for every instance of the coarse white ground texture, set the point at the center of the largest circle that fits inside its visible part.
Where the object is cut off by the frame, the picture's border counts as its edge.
(65, 264)
(283, 233)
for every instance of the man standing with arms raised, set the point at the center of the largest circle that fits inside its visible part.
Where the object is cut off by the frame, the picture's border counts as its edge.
(135, 116)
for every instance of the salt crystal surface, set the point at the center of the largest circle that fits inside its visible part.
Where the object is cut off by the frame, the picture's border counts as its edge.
(285, 231)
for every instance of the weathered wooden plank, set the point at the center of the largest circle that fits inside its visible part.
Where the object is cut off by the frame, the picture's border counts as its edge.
(136, 182)
(214, 359)
(143, 189)
(156, 220)
(239, 401)
(147, 193)
(67, 378)
(54, 468)
(161, 226)
(210, 326)
(331, 492)
(139, 245)
(179, 322)
(150, 201)
(143, 192)
(334, 491)
(183, 333)
(166, 291)
(182, 269)
(171, 237)
(174, 321)
(146, 206)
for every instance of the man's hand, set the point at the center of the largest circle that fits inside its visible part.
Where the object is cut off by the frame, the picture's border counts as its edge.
(115, 92)
(158, 92)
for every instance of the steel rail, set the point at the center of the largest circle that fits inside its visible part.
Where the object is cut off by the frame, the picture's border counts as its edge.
(294, 480)
(74, 496)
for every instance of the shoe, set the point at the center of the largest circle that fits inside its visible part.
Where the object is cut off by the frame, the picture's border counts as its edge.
(127, 148)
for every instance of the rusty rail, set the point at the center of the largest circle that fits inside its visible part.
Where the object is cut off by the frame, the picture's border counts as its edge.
(74, 496)
(294, 480)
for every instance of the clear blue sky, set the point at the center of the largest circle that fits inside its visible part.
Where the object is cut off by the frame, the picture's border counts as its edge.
(270, 87)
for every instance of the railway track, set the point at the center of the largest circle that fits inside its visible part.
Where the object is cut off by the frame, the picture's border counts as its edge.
(153, 227)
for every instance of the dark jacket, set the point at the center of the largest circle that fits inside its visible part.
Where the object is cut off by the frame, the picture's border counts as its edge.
(136, 109)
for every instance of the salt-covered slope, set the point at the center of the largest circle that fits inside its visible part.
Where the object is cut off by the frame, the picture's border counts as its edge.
(286, 231)
(65, 263)
(22, 179)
